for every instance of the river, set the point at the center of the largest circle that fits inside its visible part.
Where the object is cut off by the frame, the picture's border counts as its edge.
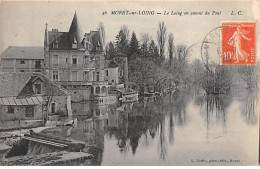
(185, 128)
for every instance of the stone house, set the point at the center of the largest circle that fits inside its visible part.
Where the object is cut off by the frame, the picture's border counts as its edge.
(26, 98)
(22, 59)
(76, 61)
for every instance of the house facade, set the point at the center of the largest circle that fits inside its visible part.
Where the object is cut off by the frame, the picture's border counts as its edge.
(22, 59)
(76, 61)
(27, 98)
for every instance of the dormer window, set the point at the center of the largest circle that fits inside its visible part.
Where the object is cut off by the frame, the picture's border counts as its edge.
(55, 44)
(98, 46)
(74, 44)
(38, 88)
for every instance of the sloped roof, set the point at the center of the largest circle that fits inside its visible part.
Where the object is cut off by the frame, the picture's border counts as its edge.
(23, 52)
(18, 84)
(110, 64)
(66, 39)
(12, 83)
(51, 88)
(75, 30)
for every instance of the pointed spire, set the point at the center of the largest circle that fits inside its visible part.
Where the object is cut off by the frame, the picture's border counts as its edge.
(75, 30)
(46, 38)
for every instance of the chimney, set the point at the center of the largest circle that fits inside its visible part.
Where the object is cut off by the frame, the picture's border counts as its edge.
(46, 38)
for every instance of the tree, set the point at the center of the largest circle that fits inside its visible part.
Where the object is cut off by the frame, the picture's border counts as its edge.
(121, 44)
(153, 51)
(145, 39)
(161, 38)
(134, 45)
(102, 33)
(249, 75)
(125, 30)
(110, 51)
(170, 47)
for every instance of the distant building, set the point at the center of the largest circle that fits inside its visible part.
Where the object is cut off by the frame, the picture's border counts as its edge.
(22, 59)
(76, 61)
(26, 97)
(73, 60)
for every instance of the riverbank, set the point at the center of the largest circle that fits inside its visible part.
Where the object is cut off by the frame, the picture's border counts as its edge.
(49, 159)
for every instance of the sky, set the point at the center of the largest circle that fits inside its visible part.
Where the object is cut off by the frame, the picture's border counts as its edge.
(23, 23)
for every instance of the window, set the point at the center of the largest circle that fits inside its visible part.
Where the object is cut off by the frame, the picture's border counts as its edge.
(98, 90)
(120, 73)
(53, 105)
(29, 111)
(10, 109)
(74, 44)
(106, 72)
(66, 60)
(98, 61)
(92, 90)
(86, 74)
(91, 58)
(37, 64)
(22, 61)
(74, 60)
(55, 75)
(74, 75)
(97, 76)
(21, 70)
(55, 44)
(86, 59)
(38, 88)
(55, 60)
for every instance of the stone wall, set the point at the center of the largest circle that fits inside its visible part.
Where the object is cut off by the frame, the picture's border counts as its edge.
(78, 95)
(112, 75)
(60, 105)
(19, 113)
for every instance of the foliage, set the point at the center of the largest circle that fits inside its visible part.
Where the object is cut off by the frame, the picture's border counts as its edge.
(161, 38)
(133, 46)
(110, 51)
(170, 47)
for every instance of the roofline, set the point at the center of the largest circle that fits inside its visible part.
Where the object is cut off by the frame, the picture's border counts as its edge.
(4, 58)
(60, 87)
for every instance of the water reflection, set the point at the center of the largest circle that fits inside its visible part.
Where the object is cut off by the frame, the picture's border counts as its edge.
(214, 109)
(249, 107)
(165, 131)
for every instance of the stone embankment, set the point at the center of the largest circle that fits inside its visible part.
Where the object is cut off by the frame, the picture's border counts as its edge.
(49, 159)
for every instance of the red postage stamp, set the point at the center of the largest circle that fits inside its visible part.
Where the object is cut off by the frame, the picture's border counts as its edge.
(238, 43)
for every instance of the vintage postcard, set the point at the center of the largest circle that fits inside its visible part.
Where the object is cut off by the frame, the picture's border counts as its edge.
(129, 83)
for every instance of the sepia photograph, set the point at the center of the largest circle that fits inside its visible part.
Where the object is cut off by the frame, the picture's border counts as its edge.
(129, 83)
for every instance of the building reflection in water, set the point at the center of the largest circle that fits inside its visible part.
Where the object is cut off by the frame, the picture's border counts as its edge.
(150, 123)
(249, 105)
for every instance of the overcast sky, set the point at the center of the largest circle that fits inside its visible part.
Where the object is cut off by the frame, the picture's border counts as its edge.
(23, 23)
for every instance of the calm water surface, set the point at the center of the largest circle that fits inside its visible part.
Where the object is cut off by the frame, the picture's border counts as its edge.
(185, 128)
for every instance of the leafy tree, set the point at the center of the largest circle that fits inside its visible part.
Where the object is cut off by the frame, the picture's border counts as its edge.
(121, 44)
(161, 38)
(145, 39)
(153, 51)
(125, 30)
(110, 51)
(170, 47)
